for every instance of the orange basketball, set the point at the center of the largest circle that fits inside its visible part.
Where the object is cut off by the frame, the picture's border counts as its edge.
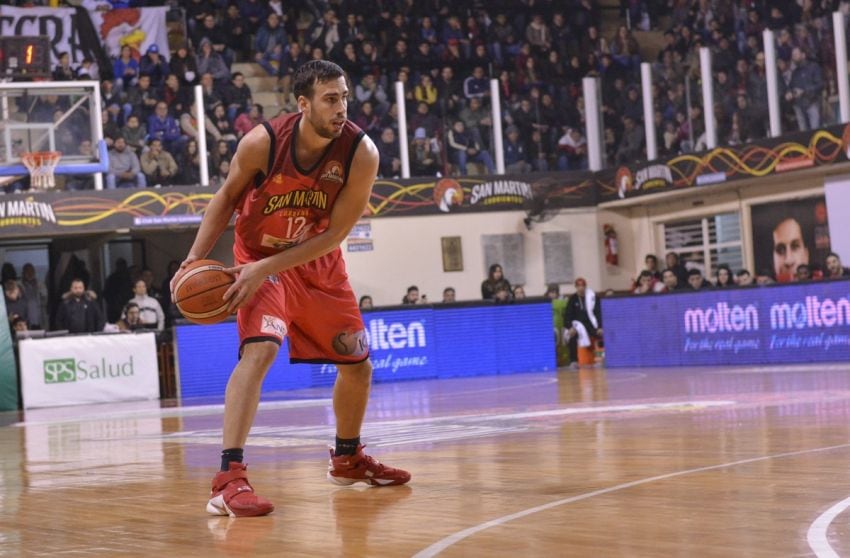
(198, 292)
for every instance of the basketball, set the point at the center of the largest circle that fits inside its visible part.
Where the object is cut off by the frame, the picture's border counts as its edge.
(199, 291)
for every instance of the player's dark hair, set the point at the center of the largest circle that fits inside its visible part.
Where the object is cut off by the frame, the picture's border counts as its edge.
(313, 72)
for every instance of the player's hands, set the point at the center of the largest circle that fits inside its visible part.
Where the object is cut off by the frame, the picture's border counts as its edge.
(249, 277)
(189, 259)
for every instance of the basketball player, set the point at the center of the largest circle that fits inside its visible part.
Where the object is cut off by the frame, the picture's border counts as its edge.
(299, 183)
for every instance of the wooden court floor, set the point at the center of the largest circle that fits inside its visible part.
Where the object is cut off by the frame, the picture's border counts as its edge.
(692, 462)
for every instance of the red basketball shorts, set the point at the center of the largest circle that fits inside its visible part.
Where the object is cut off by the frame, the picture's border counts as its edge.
(314, 305)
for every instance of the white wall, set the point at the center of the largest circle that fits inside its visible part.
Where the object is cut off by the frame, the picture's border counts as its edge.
(408, 252)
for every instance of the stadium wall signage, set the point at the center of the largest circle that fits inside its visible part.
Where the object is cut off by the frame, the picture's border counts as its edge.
(724, 164)
(760, 325)
(426, 342)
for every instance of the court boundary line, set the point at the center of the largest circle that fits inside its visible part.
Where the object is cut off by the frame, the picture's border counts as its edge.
(444, 543)
(817, 533)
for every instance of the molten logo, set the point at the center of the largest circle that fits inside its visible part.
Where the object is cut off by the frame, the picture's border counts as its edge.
(721, 318)
(811, 313)
(395, 335)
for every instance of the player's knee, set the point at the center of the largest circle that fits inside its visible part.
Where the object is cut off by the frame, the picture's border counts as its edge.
(360, 372)
(259, 355)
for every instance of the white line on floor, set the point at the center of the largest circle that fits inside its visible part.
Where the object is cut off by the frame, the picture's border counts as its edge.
(455, 538)
(817, 536)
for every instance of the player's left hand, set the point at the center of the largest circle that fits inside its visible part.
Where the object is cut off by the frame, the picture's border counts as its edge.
(249, 277)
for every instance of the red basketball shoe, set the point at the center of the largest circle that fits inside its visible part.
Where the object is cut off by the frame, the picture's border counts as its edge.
(233, 495)
(345, 470)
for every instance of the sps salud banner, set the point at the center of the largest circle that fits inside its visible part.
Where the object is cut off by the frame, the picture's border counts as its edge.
(88, 369)
(807, 322)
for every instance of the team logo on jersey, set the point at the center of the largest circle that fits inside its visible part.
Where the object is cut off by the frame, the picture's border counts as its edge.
(273, 325)
(298, 199)
(270, 241)
(333, 172)
(278, 178)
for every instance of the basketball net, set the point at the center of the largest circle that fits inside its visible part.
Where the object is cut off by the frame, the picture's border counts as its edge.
(41, 165)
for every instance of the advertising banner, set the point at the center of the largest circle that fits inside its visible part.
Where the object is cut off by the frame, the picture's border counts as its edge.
(788, 234)
(780, 324)
(88, 369)
(8, 372)
(54, 213)
(726, 163)
(139, 28)
(837, 191)
(425, 342)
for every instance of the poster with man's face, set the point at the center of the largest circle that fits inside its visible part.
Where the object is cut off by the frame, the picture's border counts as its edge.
(789, 234)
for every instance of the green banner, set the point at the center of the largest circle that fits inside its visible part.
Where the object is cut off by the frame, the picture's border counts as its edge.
(8, 370)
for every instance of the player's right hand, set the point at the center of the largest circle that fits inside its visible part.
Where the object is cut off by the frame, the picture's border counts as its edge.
(189, 259)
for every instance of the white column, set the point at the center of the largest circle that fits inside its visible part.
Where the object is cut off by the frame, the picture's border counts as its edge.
(648, 112)
(593, 118)
(772, 77)
(496, 117)
(707, 97)
(97, 122)
(402, 130)
(840, 33)
(202, 136)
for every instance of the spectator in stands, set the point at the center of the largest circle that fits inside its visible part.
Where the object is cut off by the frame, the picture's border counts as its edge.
(670, 281)
(450, 89)
(158, 165)
(150, 311)
(124, 167)
(804, 273)
(189, 127)
(834, 269)
(743, 278)
(290, 62)
(519, 293)
(236, 96)
(246, 121)
(477, 120)
(79, 311)
(365, 302)
(125, 68)
(211, 62)
(34, 293)
(130, 318)
(423, 159)
(412, 296)
(502, 294)
(674, 264)
(216, 35)
(189, 164)
(553, 291)
(8, 272)
(582, 319)
(18, 324)
(572, 150)
(495, 281)
(516, 158)
(268, 44)
(16, 305)
(724, 278)
(645, 283)
(221, 154)
(178, 98)
(141, 98)
(222, 169)
(135, 134)
(650, 262)
(805, 90)
(185, 66)
(390, 159)
(631, 146)
(63, 70)
(477, 84)
(464, 148)
(153, 64)
(152, 289)
(449, 295)
(163, 127)
(222, 128)
(695, 279)
(369, 90)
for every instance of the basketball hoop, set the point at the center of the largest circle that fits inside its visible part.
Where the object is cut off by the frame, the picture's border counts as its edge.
(41, 165)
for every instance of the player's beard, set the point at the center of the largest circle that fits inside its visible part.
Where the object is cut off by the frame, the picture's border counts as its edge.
(325, 129)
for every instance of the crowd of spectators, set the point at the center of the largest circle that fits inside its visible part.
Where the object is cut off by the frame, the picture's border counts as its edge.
(130, 300)
(445, 53)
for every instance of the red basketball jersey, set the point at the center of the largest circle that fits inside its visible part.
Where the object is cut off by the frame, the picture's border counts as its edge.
(292, 203)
